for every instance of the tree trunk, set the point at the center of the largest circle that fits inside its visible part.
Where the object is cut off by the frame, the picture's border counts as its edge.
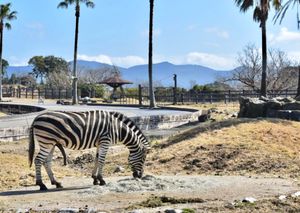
(298, 89)
(263, 88)
(75, 78)
(1, 68)
(151, 91)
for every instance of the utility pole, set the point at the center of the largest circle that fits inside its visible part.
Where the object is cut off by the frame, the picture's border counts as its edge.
(175, 89)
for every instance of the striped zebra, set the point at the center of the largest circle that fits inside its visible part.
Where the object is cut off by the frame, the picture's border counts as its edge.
(84, 130)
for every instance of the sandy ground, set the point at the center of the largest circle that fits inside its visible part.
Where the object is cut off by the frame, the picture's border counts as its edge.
(121, 193)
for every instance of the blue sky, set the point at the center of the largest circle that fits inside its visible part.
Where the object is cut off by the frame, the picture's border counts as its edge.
(205, 32)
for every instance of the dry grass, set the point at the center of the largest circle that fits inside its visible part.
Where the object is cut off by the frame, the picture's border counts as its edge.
(15, 171)
(253, 147)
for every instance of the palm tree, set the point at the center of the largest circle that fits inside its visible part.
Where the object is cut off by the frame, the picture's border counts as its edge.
(260, 15)
(280, 14)
(150, 54)
(282, 11)
(5, 16)
(65, 4)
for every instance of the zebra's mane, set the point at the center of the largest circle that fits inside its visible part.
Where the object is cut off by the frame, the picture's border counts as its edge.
(130, 123)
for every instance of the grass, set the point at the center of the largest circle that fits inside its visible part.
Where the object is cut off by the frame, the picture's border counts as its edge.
(247, 147)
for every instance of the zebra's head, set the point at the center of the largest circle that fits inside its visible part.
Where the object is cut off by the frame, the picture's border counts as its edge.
(137, 160)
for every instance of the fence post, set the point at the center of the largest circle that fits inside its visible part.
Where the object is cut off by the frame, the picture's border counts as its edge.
(182, 96)
(175, 90)
(210, 95)
(39, 93)
(26, 92)
(32, 92)
(59, 93)
(140, 95)
(19, 90)
(66, 93)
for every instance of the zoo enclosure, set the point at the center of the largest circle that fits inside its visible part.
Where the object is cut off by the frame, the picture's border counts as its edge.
(140, 95)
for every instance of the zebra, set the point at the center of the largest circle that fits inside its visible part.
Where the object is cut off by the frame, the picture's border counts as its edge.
(84, 130)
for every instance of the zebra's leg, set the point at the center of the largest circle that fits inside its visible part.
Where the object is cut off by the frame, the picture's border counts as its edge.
(95, 170)
(101, 152)
(40, 159)
(48, 165)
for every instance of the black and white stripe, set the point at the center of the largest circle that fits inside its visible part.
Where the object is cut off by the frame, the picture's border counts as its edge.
(84, 130)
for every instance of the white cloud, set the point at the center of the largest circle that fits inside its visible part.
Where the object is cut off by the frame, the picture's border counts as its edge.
(284, 35)
(220, 33)
(14, 61)
(294, 56)
(126, 61)
(210, 60)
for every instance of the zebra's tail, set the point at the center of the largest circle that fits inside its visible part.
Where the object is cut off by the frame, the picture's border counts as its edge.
(31, 147)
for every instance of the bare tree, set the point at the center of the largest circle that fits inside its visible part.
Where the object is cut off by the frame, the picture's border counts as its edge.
(281, 74)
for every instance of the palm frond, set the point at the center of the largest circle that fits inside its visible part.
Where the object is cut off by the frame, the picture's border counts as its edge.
(244, 5)
(63, 4)
(7, 26)
(257, 14)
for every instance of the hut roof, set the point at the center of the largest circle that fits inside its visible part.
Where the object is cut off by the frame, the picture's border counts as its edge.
(115, 80)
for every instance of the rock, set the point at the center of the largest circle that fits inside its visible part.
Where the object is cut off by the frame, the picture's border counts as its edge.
(249, 200)
(136, 211)
(119, 169)
(282, 197)
(234, 115)
(68, 210)
(252, 108)
(296, 194)
(203, 118)
(291, 106)
(173, 211)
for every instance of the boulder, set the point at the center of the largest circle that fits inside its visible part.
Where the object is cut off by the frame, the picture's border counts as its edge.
(252, 108)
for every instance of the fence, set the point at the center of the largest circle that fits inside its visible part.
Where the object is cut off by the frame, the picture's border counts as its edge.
(34, 93)
(140, 96)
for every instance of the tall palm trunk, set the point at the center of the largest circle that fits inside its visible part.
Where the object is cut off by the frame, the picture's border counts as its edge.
(75, 78)
(150, 62)
(263, 88)
(1, 67)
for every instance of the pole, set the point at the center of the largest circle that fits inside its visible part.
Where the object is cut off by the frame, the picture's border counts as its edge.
(175, 89)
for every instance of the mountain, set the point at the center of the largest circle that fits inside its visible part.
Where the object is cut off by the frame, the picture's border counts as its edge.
(162, 73)
(18, 70)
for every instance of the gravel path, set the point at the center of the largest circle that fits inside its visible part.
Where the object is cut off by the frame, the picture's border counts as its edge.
(121, 192)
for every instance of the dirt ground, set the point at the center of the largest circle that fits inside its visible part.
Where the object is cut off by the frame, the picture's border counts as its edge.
(208, 168)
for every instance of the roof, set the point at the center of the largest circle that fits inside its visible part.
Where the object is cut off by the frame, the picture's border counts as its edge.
(115, 80)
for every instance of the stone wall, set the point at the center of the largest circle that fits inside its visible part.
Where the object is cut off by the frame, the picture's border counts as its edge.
(285, 108)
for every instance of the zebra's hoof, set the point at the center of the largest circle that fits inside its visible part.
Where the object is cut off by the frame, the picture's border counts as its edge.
(96, 182)
(58, 185)
(43, 187)
(102, 183)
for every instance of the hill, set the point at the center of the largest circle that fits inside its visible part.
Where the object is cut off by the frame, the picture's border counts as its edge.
(162, 73)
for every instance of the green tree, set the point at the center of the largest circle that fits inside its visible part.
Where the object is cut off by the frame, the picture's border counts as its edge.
(5, 64)
(150, 55)
(50, 66)
(6, 15)
(39, 68)
(260, 14)
(66, 4)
